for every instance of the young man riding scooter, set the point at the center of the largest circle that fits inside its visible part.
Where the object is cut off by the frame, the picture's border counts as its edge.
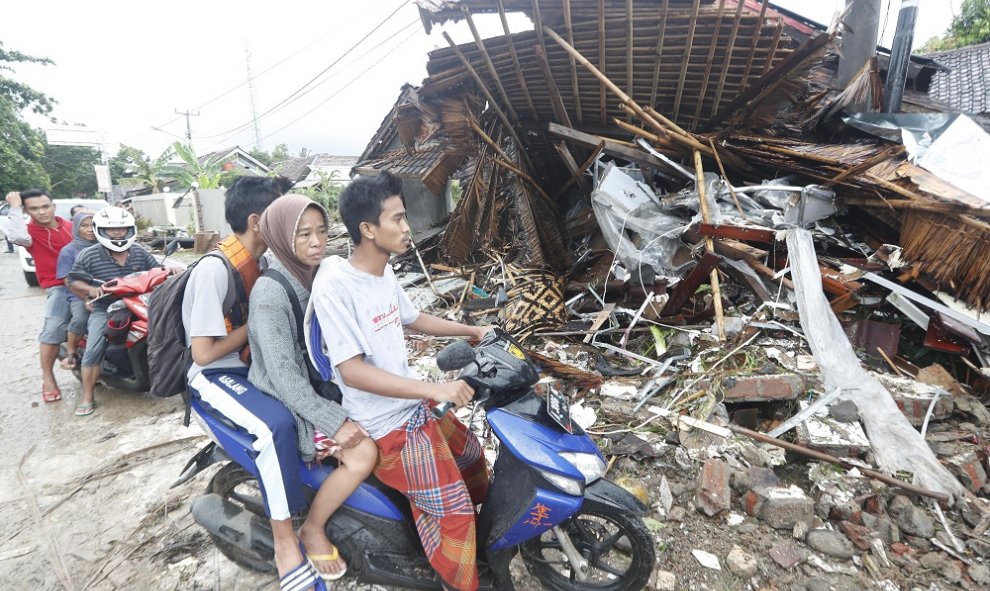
(218, 376)
(436, 463)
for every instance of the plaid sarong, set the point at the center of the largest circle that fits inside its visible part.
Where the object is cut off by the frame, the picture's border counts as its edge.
(438, 465)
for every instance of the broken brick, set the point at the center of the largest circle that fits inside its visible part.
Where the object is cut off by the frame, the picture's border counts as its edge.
(969, 468)
(915, 406)
(763, 388)
(713, 495)
(779, 507)
(860, 536)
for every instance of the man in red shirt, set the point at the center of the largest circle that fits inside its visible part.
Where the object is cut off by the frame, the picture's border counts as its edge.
(43, 237)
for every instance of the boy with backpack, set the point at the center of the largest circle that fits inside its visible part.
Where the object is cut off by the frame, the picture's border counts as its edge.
(436, 463)
(217, 337)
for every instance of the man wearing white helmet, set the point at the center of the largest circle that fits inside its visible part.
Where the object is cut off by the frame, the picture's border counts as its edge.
(116, 255)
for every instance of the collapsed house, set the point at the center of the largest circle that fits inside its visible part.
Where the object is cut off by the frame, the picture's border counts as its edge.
(627, 172)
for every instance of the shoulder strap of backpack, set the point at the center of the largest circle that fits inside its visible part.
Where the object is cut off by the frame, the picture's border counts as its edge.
(235, 291)
(293, 299)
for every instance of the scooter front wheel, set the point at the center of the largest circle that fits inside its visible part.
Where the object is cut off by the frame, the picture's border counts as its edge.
(615, 547)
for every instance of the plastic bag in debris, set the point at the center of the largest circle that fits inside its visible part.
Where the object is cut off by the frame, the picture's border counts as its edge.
(895, 444)
(633, 223)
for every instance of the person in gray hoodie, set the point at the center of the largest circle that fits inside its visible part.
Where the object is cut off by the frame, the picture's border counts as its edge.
(295, 230)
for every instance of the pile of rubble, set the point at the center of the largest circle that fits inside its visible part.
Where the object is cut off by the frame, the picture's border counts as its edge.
(766, 301)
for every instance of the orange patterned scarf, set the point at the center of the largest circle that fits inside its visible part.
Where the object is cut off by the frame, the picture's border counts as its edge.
(245, 264)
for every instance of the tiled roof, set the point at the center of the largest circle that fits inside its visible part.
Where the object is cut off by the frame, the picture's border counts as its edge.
(332, 160)
(294, 169)
(966, 85)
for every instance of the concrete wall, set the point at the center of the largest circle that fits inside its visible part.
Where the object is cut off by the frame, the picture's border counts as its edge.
(211, 208)
(157, 209)
(423, 208)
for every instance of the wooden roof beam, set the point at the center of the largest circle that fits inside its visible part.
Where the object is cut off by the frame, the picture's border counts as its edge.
(728, 57)
(601, 59)
(687, 58)
(708, 65)
(659, 53)
(488, 61)
(629, 49)
(575, 89)
(515, 61)
(756, 40)
(555, 100)
(774, 46)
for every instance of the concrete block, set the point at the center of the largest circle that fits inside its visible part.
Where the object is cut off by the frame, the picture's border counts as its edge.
(779, 507)
(823, 433)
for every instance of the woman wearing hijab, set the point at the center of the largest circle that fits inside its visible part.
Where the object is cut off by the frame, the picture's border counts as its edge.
(295, 230)
(83, 236)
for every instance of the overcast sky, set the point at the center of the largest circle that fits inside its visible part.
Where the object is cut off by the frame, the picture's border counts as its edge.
(125, 67)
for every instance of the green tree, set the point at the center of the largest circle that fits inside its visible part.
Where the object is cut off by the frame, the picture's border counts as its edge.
(71, 171)
(969, 27)
(261, 156)
(325, 192)
(204, 175)
(280, 154)
(22, 148)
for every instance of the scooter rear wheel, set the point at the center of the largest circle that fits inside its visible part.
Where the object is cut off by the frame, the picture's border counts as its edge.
(617, 546)
(239, 487)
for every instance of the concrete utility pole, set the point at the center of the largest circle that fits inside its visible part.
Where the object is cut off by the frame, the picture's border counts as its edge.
(861, 27)
(900, 57)
(188, 126)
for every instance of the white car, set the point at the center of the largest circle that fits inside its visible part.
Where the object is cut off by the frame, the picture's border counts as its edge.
(62, 209)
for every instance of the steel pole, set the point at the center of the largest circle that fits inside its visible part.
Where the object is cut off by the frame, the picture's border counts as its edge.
(900, 57)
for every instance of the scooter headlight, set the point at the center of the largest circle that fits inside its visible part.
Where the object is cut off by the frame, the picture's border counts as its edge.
(568, 485)
(591, 466)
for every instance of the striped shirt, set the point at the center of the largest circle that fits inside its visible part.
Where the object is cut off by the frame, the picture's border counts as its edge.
(96, 261)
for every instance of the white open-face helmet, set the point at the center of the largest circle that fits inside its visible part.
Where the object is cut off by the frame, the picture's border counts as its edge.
(115, 217)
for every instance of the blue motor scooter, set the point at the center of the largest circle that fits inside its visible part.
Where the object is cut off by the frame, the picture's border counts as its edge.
(547, 498)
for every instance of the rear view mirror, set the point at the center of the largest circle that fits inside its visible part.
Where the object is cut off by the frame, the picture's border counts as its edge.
(171, 247)
(455, 356)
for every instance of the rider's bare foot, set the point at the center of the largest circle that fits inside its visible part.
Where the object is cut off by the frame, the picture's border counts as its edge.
(318, 546)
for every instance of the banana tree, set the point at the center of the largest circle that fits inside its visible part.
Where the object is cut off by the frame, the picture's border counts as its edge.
(193, 173)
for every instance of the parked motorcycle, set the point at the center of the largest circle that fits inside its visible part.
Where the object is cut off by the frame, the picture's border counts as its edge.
(125, 365)
(547, 498)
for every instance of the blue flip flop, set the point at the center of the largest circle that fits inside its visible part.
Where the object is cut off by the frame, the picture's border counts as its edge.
(302, 578)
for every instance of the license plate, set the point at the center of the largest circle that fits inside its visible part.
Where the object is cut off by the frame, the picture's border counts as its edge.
(559, 409)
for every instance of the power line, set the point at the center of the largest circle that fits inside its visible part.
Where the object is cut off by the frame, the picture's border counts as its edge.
(301, 91)
(255, 77)
(352, 81)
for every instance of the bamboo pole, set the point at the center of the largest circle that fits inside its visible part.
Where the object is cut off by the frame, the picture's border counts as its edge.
(928, 206)
(488, 95)
(699, 183)
(732, 190)
(515, 61)
(488, 61)
(575, 92)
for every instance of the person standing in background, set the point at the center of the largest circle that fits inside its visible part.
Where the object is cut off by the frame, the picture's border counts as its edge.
(43, 237)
